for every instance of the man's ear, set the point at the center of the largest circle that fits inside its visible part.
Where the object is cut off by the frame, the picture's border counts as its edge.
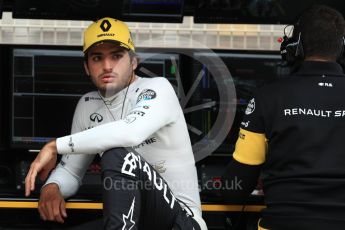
(86, 69)
(134, 63)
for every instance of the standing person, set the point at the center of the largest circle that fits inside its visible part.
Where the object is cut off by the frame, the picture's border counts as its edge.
(126, 111)
(293, 133)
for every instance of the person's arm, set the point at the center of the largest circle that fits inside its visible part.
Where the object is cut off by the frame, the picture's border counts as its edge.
(65, 179)
(155, 108)
(69, 172)
(249, 155)
(241, 175)
(46, 160)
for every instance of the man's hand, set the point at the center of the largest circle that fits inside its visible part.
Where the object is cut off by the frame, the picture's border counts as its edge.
(51, 205)
(43, 164)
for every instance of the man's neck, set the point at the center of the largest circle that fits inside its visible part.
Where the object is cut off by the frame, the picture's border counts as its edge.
(110, 95)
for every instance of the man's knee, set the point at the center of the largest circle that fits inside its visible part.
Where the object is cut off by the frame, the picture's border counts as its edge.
(113, 159)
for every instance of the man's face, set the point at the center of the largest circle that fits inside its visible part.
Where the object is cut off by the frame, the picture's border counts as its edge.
(110, 68)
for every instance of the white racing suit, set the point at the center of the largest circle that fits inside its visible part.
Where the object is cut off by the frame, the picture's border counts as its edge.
(153, 124)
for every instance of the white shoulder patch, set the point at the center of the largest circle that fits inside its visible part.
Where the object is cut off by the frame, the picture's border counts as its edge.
(250, 107)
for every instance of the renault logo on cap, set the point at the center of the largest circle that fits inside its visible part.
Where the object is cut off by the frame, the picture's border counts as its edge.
(105, 25)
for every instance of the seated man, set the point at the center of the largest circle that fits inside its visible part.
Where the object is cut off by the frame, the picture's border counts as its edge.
(294, 133)
(153, 187)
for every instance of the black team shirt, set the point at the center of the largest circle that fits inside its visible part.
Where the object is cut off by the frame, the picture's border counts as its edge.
(294, 132)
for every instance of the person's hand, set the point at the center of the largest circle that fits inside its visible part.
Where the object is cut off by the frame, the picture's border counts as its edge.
(42, 165)
(51, 205)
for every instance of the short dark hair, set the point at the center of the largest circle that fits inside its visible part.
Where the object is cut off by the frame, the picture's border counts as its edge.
(322, 30)
(133, 54)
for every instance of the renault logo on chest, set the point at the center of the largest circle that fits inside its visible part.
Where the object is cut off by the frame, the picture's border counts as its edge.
(105, 26)
(95, 117)
(325, 84)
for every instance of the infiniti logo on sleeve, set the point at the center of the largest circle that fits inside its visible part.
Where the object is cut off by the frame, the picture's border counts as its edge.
(95, 117)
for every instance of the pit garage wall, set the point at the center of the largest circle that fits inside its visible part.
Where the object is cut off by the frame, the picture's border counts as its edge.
(164, 35)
